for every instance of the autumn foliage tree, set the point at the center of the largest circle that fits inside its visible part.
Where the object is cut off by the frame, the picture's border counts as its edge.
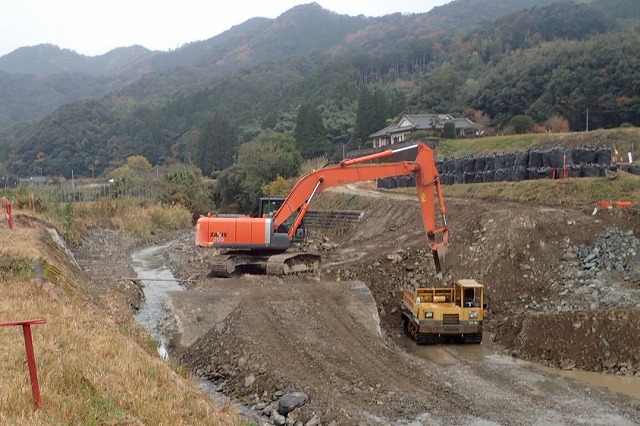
(136, 168)
(558, 124)
(185, 186)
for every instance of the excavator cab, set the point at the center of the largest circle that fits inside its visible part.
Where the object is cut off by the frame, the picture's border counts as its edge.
(268, 206)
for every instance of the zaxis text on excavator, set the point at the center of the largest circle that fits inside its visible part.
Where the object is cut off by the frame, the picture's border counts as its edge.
(262, 243)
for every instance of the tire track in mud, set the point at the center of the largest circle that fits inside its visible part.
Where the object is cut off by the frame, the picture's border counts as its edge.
(378, 361)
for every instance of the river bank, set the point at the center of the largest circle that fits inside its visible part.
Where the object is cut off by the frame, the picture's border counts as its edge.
(95, 363)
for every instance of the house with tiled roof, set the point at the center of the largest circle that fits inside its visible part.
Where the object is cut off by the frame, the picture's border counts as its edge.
(410, 123)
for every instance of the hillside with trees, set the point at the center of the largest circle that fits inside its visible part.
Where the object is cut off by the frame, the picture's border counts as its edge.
(327, 81)
(34, 81)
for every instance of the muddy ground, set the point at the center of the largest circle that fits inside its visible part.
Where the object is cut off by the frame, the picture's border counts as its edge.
(336, 338)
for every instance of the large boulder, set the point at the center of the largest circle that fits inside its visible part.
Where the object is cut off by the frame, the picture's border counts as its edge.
(289, 401)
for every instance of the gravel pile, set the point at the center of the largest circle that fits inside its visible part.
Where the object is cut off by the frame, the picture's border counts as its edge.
(606, 274)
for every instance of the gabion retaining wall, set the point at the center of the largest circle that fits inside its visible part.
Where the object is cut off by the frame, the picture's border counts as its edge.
(555, 163)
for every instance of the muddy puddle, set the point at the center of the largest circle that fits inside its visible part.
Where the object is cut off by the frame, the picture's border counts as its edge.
(453, 354)
(446, 354)
(629, 386)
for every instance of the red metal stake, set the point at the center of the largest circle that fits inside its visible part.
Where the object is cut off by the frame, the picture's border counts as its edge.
(31, 358)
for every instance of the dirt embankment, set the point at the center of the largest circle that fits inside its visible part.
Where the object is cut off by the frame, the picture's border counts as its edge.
(261, 338)
(106, 256)
(540, 265)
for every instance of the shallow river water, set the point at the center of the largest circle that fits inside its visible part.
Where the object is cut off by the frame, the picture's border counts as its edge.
(452, 354)
(157, 281)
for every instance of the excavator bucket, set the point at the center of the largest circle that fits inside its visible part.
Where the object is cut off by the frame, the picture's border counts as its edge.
(443, 260)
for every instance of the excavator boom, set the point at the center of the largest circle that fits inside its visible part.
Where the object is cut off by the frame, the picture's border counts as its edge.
(260, 234)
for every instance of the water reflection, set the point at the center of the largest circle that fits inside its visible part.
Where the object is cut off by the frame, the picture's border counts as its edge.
(157, 281)
(450, 354)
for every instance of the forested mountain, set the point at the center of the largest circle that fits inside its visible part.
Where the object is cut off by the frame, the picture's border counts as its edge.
(461, 13)
(565, 79)
(625, 9)
(47, 59)
(483, 58)
(36, 80)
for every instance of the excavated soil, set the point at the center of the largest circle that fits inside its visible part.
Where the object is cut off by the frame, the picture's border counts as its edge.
(563, 287)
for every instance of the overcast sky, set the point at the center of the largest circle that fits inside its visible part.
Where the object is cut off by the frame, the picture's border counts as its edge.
(93, 27)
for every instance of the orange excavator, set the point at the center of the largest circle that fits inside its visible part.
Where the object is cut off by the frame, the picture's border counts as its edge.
(262, 243)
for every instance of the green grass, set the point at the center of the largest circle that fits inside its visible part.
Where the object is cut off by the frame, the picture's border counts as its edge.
(623, 139)
(578, 192)
(473, 147)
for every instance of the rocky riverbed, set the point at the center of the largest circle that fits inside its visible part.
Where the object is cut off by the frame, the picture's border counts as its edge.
(315, 340)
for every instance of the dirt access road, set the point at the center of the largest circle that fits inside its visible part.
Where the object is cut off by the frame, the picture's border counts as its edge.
(336, 336)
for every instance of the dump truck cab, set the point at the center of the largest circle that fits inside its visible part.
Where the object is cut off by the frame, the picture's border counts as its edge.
(431, 314)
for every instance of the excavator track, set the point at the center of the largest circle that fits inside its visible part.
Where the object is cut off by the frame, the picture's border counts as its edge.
(223, 265)
(293, 263)
(228, 264)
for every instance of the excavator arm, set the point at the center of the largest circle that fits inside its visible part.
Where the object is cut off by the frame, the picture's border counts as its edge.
(258, 238)
(354, 170)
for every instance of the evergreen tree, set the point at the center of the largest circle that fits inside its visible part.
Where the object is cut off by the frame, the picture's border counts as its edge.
(260, 161)
(371, 115)
(522, 124)
(449, 130)
(310, 135)
(214, 149)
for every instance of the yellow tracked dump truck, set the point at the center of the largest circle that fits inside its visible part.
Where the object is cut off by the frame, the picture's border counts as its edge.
(430, 315)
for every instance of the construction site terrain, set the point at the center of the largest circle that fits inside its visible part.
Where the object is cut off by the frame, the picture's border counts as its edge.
(562, 339)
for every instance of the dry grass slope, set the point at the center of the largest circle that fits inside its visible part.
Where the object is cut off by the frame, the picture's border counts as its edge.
(91, 370)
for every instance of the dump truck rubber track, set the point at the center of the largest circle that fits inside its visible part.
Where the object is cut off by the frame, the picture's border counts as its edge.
(473, 338)
(420, 338)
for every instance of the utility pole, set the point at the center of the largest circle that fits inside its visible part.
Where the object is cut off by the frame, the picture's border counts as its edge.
(587, 119)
